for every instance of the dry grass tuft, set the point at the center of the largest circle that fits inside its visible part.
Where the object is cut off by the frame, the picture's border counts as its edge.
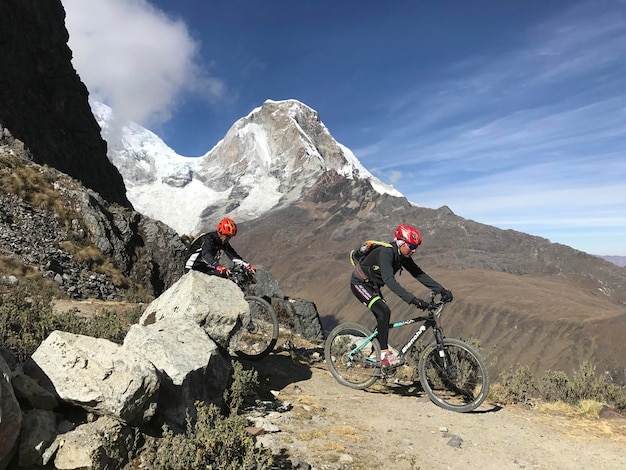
(349, 433)
(585, 409)
(312, 434)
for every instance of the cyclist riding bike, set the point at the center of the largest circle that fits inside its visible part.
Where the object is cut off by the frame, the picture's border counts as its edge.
(378, 269)
(203, 254)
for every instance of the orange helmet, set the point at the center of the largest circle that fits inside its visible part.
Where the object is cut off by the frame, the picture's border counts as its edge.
(226, 226)
(409, 235)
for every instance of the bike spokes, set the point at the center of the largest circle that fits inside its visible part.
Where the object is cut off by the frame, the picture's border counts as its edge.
(260, 335)
(454, 377)
(351, 356)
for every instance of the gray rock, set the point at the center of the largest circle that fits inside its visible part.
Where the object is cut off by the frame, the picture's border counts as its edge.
(29, 392)
(189, 361)
(97, 375)
(103, 443)
(214, 303)
(38, 432)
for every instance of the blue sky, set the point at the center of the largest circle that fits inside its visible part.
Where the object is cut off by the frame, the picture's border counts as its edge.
(510, 113)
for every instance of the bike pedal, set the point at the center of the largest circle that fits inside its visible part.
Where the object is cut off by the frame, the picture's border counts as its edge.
(388, 371)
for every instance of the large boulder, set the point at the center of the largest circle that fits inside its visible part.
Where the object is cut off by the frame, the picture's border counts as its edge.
(214, 303)
(190, 364)
(97, 375)
(300, 316)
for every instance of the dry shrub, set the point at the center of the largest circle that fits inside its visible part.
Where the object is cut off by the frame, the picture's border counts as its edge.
(585, 409)
(91, 257)
(25, 321)
(583, 387)
(311, 435)
(214, 440)
(517, 386)
(36, 185)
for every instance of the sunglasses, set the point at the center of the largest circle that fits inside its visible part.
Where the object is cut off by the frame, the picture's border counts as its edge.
(411, 247)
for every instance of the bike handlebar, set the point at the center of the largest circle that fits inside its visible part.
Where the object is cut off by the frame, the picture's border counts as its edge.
(435, 307)
(241, 276)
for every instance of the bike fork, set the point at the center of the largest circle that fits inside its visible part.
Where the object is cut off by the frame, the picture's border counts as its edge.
(441, 350)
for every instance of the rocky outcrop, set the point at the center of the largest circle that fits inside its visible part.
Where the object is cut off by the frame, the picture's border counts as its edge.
(189, 362)
(106, 392)
(50, 237)
(43, 101)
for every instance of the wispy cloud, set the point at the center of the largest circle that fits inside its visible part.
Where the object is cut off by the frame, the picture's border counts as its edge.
(136, 59)
(532, 138)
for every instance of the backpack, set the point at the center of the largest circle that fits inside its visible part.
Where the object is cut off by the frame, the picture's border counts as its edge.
(365, 249)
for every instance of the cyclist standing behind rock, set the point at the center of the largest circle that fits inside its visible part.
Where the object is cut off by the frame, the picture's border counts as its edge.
(204, 250)
(377, 269)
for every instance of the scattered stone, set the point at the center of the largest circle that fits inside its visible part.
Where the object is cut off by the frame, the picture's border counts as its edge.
(255, 430)
(609, 413)
(455, 441)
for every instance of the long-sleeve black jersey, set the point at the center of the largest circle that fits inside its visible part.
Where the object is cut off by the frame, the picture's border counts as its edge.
(203, 252)
(380, 266)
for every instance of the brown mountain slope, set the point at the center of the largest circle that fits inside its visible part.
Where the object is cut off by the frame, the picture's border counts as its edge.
(528, 301)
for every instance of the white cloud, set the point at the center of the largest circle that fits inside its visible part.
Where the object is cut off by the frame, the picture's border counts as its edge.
(135, 58)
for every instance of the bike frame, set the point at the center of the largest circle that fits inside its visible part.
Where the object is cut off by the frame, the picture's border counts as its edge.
(451, 372)
(428, 322)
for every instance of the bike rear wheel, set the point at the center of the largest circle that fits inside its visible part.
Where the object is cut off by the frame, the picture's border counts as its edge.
(352, 355)
(261, 334)
(454, 376)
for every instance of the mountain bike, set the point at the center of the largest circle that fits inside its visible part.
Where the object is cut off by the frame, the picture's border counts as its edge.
(451, 372)
(260, 334)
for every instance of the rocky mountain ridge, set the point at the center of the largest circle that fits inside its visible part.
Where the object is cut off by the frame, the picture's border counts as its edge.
(265, 160)
(89, 247)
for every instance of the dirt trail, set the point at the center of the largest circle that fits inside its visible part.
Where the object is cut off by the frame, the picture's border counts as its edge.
(333, 427)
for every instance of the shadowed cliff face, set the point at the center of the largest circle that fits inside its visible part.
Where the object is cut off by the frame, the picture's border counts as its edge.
(44, 104)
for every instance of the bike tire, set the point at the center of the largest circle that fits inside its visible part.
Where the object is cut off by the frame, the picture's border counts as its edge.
(460, 386)
(260, 335)
(353, 369)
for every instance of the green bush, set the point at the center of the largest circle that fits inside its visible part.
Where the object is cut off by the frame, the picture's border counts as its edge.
(243, 383)
(214, 441)
(584, 385)
(557, 386)
(26, 321)
(554, 386)
(518, 385)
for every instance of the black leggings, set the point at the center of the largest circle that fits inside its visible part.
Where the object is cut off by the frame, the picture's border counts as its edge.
(372, 299)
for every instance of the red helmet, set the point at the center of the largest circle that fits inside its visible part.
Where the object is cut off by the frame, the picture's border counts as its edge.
(226, 226)
(408, 235)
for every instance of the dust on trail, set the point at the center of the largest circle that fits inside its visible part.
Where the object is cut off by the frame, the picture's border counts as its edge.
(333, 427)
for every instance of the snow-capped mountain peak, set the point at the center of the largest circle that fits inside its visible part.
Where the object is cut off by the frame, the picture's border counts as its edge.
(265, 160)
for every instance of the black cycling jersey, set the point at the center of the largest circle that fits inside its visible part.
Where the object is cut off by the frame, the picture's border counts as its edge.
(379, 267)
(203, 252)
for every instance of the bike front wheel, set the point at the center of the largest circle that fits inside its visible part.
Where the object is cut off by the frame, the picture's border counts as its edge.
(352, 353)
(453, 375)
(261, 334)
